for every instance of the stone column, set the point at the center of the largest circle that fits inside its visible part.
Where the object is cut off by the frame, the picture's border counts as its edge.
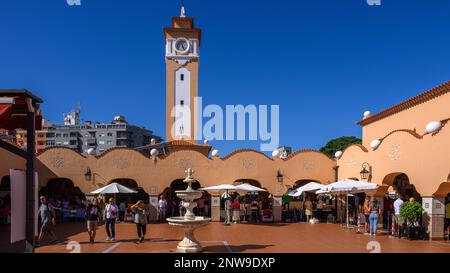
(215, 208)
(433, 216)
(195, 48)
(277, 208)
(153, 206)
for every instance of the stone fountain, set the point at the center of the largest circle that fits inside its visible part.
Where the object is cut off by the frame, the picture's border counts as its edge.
(189, 222)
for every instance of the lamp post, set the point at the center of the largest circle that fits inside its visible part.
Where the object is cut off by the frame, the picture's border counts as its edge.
(279, 176)
(88, 174)
(366, 172)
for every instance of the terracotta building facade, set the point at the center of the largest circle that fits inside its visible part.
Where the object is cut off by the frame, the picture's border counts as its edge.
(408, 150)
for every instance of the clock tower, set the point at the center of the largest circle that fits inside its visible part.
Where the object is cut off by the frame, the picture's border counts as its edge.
(182, 60)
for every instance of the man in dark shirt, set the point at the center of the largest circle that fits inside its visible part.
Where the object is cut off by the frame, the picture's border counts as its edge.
(92, 215)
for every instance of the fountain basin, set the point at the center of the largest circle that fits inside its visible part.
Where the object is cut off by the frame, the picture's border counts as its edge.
(182, 220)
(189, 194)
(189, 244)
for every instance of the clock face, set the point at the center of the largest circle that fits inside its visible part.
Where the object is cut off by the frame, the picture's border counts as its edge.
(182, 45)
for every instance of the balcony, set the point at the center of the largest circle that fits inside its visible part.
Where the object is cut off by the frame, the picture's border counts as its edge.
(91, 141)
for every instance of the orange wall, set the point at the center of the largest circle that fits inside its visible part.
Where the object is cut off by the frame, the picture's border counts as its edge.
(416, 117)
(425, 159)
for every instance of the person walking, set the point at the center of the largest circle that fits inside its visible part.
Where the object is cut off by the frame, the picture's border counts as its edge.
(140, 219)
(162, 208)
(92, 217)
(48, 220)
(111, 214)
(236, 210)
(375, 212)
(397, 204)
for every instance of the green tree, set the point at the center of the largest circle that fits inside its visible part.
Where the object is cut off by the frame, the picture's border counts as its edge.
(411, 211)
(339, 144)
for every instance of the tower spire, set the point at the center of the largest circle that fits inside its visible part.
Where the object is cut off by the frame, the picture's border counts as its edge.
(183, 12)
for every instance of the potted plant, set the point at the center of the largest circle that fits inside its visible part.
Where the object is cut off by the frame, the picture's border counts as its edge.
(411, 212)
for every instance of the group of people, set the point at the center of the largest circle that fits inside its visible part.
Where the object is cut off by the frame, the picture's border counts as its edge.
(299, 210)
(94, 214)
(111, 216)
(97, 212)
(232, 210)
(174, 207)
(66, 209)
(370, 213)
(368, 216)
(238, 207)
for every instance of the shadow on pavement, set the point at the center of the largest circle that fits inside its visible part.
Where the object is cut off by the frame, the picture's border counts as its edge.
(63, 232)
(234, 248)
(265, 224)
(5, 242)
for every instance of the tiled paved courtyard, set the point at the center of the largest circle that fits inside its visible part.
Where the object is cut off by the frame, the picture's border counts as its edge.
(239, 238)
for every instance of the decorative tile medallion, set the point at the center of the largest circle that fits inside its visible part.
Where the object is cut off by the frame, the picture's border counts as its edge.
(351, 163)
(57, 161)
(122, 163)
(308, 165)
(395, 152)
(184, 163)
(247, 163)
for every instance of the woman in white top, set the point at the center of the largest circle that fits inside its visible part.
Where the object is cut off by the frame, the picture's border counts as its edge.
(162, 208)
(111, 214)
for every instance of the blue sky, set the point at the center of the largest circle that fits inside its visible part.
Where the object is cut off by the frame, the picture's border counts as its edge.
(324, 62)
